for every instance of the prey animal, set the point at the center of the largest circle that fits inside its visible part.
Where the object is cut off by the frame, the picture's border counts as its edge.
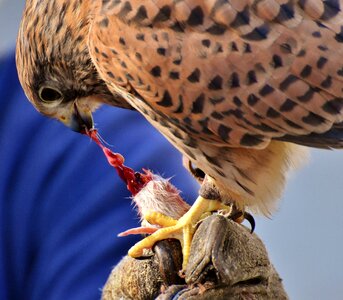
(235, 85)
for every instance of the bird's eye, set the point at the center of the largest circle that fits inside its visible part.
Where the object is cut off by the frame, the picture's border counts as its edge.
(48, 94)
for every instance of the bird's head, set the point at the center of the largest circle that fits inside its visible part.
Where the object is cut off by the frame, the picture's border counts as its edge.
(54, 65)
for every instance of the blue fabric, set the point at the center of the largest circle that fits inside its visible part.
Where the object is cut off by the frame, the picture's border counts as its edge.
(61, 204)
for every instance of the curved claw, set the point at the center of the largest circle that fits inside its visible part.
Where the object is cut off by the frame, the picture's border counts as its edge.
(196, 172)
(169, 260)
(251, 220)
(239, 216)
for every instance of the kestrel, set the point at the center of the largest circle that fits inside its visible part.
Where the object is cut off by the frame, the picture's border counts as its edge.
(235, 85)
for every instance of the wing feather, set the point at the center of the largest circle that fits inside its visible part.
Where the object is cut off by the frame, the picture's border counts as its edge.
(234, 72)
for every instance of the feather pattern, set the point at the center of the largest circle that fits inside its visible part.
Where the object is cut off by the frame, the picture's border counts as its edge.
(233, 84)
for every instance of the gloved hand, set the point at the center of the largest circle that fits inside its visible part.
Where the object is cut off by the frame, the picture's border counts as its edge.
(226, 262)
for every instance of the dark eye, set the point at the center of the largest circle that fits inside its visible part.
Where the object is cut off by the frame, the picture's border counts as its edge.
(48, 94)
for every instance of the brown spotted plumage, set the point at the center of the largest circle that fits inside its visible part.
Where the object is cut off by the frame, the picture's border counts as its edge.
(233, 84)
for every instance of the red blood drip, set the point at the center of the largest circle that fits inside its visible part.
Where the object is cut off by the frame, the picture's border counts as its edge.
(135, 181)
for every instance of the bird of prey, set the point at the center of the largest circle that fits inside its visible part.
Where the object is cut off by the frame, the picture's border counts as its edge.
(235, 85)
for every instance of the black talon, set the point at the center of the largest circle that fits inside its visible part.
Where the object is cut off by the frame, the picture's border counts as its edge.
(196, 172)
(247, 216)
(144, 257)
(251, 220)
(168, 257)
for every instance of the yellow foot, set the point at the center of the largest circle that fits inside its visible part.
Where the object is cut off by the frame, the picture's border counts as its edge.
(182, 229)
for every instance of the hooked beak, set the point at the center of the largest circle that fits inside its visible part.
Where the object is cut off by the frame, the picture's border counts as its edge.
(81, 119)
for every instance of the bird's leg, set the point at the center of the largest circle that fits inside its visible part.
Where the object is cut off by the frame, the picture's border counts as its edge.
(236, 214)
(183, 229)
